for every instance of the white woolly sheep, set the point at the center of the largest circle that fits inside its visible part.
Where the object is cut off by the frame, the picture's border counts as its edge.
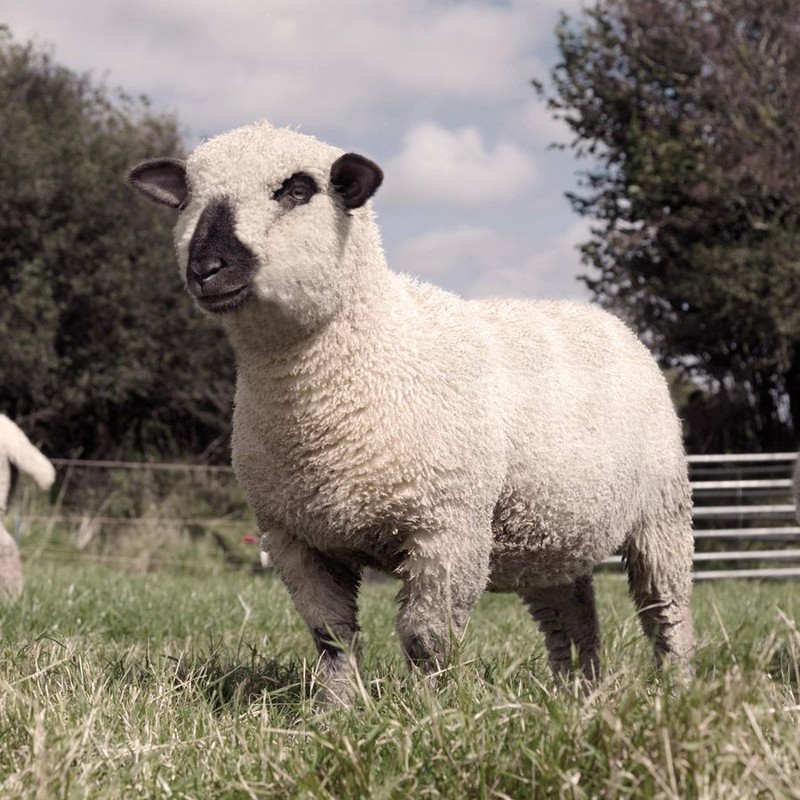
(380, 421)
(16, 453)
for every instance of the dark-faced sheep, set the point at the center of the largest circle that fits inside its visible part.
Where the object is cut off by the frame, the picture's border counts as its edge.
(382, 422)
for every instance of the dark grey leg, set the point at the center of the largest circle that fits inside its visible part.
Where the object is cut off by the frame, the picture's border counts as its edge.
(567, 617)
(325, 594)
(444, 576)
(660, 582)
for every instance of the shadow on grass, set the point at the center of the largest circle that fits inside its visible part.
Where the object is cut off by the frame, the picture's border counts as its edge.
(225, 679)
(783, 667)
(228, 682)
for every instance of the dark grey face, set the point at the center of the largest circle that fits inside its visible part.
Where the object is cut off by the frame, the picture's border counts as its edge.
(220, 269)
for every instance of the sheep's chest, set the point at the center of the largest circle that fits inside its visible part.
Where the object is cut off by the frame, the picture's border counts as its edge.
(351, 460)
(329, 485)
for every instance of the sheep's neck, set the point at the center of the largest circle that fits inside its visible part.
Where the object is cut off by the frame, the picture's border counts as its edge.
(267, 344)
(310, 393)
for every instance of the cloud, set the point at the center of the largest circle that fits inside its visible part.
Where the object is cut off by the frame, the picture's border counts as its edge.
(456, 168)
(538, 122)
(438, 252)
(571, 7)
(441, 85)
(325, 65)
(483, 262)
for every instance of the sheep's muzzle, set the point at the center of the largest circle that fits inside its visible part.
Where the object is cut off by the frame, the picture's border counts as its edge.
(221, 267)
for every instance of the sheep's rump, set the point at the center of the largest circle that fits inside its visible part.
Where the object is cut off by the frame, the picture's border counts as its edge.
(595, 453)
(16, 453)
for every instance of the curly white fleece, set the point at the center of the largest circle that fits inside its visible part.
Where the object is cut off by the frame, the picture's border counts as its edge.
(460, 445)
(17, 450)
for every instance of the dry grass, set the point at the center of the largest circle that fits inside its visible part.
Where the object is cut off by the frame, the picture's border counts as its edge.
(174, 684)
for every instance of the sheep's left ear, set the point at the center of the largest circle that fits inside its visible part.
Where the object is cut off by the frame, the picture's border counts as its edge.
(355, 179)
(162, 180)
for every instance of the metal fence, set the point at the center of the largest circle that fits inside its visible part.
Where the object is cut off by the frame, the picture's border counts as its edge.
(744, 513)
(744, 516)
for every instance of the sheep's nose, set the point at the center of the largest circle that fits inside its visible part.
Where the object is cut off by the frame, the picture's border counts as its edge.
(201, 269)
(219, 262)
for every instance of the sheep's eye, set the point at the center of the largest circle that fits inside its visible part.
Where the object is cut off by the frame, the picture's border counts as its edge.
(300, 192)
(296, 191)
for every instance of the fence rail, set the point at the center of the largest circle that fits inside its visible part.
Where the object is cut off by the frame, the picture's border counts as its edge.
(742, 502)
(744, 516)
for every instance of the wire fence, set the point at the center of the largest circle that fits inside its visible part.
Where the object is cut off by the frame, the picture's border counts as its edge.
(744, 514)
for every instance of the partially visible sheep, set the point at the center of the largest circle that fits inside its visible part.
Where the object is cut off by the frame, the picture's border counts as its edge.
(16, 453)
(383, 422)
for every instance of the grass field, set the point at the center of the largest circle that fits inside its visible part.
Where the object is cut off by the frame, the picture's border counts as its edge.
(197, 683)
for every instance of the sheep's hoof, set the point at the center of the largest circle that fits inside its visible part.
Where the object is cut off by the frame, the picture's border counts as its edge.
(336, 692)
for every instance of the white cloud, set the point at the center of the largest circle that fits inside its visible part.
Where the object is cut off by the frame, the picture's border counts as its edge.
(311, 61)
(549, 271)
(456, 168)
(444, 84)
(484, 262)
(538, 122)
(446, 250)
(546, 8)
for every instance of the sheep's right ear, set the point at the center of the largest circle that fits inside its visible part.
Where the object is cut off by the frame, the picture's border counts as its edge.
(162, 180)
(355, 179)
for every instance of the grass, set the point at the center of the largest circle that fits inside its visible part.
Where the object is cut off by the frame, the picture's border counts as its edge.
(197, 684)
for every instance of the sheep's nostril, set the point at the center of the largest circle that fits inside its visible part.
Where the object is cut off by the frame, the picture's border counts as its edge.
(220, 267)
(204, 268)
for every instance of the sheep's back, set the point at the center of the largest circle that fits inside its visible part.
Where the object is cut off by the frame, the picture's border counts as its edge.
(594, 444)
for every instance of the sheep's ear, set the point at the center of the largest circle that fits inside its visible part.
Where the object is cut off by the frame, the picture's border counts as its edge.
(355, 179)
(162, 180)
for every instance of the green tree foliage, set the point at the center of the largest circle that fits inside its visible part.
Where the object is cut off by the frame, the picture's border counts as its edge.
(101, 352)
(690, 113)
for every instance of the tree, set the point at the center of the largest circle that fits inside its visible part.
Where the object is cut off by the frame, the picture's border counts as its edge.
(690, 111)
(100, 351)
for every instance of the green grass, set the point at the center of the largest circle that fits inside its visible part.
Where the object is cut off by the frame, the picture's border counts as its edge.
(197, 685)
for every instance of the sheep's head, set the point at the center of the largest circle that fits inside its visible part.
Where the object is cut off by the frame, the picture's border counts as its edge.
(267, 214)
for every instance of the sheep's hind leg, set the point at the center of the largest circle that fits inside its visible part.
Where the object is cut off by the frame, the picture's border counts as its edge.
(325, 594)
(567, 617)
(660, 582)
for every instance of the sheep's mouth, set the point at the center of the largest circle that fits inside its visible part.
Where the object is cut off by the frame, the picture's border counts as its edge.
(225, 302)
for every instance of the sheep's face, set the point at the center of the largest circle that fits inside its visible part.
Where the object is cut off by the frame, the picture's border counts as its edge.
(269, 215)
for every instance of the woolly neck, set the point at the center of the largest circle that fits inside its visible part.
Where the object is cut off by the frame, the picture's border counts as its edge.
(262, 335)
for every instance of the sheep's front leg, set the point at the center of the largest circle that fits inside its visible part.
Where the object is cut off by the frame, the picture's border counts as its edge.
(443, 577)
(325, 594)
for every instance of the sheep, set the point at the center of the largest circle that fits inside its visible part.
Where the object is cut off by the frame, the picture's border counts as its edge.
(382, 422)
(16, 453)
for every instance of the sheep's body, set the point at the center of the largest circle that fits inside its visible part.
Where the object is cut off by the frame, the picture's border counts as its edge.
(376, 446)
(460, 445)
(16, 453)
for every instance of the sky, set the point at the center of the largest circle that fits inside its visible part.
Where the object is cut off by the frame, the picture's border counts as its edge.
(438, 92)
